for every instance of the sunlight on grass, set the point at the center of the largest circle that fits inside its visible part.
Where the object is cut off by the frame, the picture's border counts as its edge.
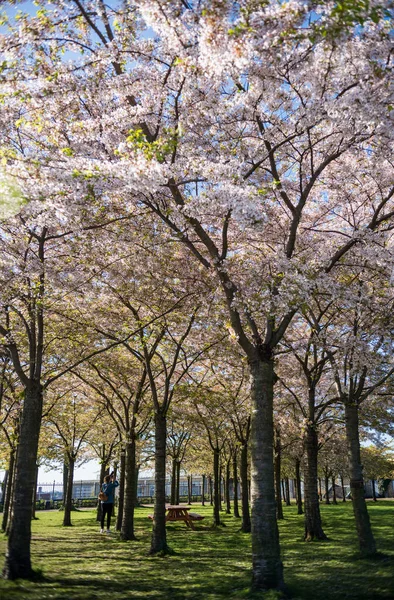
(80, 564)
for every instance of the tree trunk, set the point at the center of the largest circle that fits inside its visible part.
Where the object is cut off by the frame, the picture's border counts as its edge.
(220, 485)
(227, 488)
(210, 490)
(326, 480)
(216, 487)
(178, 482)
(122, 475)
(278, 492)
(173, 482)
(69, 494)
(287, 488)
(127, 527)
(189, 489)
(313, 526)
(267, 569)
(7, 491)
(343, 489)
(246, 526)
(203, 491)
(159, 534)
(103, 472)
(334, 492)
(298, 486)
(365, 536)
(33, 508)
(18, 559)
(373, 490)
(320, 491)
(235, 480)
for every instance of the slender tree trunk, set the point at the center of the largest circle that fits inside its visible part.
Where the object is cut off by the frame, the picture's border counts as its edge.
(287, 488)
(65, 478)
(103, 470)
(189, 489)
(326, 480)
(298, 486)
(343, 489)
(220, 486)
(7, 491)
(33, 508)
(246, 526)
(122, 474)
(18, 559)
(178, 482)
(216, 487)
(127, 527)
(364, 531)
(203, 491)
(267, 569)
(210, 490)
(173, 481)
(227, 488)
(278, 493)
(235, 480)
(334, 492)
(373, 490)
(159, 534)
(69, 494)
(313, 526)
(320, 491)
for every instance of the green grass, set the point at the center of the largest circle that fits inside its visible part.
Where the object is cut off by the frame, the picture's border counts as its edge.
(78, 563)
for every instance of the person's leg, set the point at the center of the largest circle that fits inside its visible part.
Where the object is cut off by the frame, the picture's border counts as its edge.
(102, 515)
(109, 513)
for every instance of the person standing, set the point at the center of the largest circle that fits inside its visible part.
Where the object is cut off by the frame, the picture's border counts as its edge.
(108, 488)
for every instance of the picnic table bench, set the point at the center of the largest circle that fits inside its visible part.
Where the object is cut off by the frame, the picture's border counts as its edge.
(181, 513)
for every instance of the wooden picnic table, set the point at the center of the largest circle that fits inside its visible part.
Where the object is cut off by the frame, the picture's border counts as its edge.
(179, 513)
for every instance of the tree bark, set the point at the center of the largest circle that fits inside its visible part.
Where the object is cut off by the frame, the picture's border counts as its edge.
(203, 491)
(127, 527)
(33, 508)
(246, 526)
(334, 492)
(287, 488)
(189, 489)
(173, 481)
(69, 494)
(278, 492)
(18, 557)
(216, 487)
(159, 534)
(178, 481)
(326, 480)
(227, 488)
(364, 531)
(122, 470)
(267, 569)
(298, 486)
(373, 490)
(343, 489)
(103, 470)
(7, 491)
(235, 480)
(210, 490)
(313, 526)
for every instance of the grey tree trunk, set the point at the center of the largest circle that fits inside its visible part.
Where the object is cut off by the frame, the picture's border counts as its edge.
(267, 570)
(235, 480)
(334, 492)
(189, 489)
(173, 481)
(210, 490)
(203, 490)
(216, 487)
(33, 508)
(178, 479)
(18, 557)
(246, 526)
(278, 491)
(127, 527)
(313, 526)
(119, 518)
(326, 479)
(343, 489)
(227, 488)
(298, 486)
(69, 494)
(159, 534)
(287, 488)
(7, 491)
(364, 531)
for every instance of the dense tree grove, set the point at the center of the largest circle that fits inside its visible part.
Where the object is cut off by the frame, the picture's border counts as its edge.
(199, 262)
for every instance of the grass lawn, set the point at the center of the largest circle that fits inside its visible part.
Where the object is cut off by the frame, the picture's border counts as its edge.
(80, 564)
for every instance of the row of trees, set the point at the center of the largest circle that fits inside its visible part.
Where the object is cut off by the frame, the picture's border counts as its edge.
(199, 174)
